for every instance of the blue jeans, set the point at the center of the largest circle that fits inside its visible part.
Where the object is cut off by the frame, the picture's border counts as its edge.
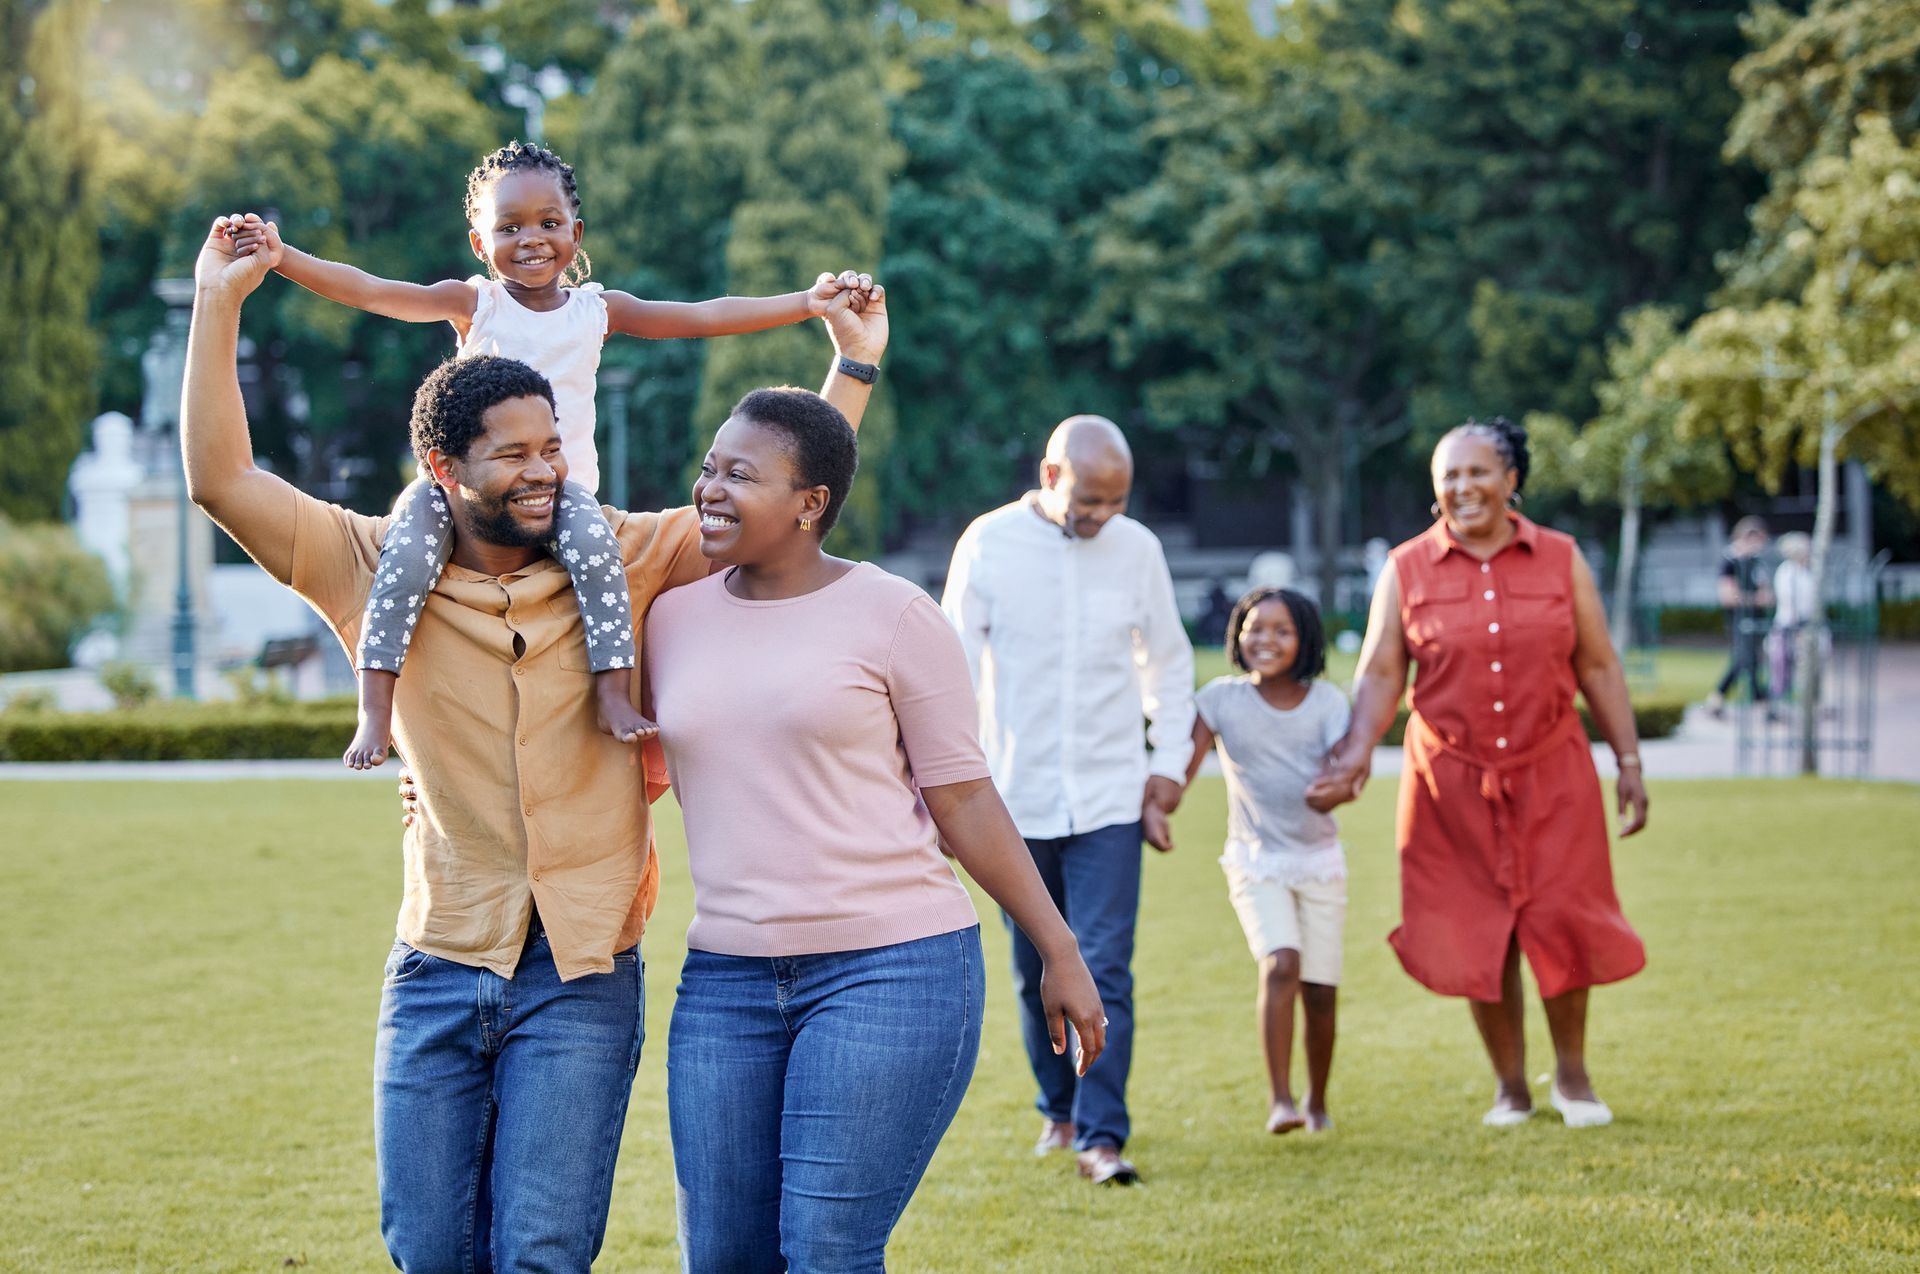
(1094, 878)
(806, 1096)
(497, 1110)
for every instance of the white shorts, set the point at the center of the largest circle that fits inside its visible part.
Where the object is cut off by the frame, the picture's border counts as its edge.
(1310, 917)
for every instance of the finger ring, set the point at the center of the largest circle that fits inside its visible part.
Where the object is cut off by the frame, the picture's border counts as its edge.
(1103, 1021)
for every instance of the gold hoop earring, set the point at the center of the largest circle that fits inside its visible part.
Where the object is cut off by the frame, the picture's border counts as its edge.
(1434, 508)
(1515, 500)
(805, 525)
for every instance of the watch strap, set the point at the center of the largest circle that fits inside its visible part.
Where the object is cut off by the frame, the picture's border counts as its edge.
(862, 372)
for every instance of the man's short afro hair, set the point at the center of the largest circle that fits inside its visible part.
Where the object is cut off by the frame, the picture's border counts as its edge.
(455, 395)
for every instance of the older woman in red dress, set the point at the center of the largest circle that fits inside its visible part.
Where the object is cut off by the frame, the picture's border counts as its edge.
(1501, 825)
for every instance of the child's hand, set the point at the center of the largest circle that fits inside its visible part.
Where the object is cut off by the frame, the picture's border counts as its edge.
(253, 234)
(821, 294)
(1338, 782)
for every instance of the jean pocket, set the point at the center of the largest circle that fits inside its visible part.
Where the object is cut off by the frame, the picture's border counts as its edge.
(404, 963)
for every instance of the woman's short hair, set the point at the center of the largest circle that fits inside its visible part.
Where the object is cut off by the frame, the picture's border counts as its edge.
(1311, 658)
(819, 441)
(1509, 439)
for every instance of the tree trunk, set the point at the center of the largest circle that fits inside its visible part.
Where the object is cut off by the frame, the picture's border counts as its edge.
(1329, 475)
(1623, 591)
(1811, 673)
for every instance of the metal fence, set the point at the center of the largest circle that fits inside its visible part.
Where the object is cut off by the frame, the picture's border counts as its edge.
(1816, 713)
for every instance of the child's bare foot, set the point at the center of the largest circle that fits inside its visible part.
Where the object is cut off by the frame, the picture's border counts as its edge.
(1284, 1117)
(615, 711)
(375, 731)
(1318, 1120)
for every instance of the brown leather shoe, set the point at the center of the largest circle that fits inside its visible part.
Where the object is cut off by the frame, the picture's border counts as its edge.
(1103, 1166)
(1053, 1136)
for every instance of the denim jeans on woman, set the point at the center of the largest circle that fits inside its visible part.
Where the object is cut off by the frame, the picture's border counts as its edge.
(807, 1094)
(498, 1106)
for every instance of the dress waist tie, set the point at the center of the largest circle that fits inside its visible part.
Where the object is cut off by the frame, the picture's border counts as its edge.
(1496, 789)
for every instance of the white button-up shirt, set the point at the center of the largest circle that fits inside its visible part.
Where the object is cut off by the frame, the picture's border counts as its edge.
(1071, 642)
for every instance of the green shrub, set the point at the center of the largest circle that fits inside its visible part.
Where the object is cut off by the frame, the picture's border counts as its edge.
(258, 687)
(181, 732)
(1691, 621)
(129, 685)
(51, 592)
(33, 699)
(1900, 621)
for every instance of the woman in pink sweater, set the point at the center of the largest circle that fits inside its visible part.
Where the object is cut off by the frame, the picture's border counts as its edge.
(821, 732)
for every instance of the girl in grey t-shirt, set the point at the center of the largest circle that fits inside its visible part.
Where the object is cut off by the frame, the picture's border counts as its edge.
(1286, 872)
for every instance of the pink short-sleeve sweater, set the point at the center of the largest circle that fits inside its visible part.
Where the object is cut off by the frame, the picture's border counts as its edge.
(798, 733)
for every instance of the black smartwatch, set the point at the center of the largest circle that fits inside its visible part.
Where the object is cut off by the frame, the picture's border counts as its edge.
(862, 372)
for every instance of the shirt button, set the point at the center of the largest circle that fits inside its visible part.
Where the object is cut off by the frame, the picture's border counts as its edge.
(1499, 743)
(528, 810)
(1498, 706)
(1492, 628)
(1485, 569)
(518, 670)
(1496, 665)
(523, 740)
(1489, 594)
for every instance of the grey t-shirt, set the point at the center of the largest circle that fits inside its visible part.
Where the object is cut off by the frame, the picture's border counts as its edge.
(1269, 757)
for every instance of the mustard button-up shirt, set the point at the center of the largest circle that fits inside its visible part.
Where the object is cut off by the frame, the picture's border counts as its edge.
(524, 801)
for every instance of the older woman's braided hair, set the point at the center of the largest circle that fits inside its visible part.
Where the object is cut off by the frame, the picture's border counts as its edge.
(518, 156)
(1509, 439)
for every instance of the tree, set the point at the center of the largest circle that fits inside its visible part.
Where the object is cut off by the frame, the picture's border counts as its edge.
(664, 150)
(48, 254)
(1632, 453)
(1010, 160)
(361, 164)
(1565, 158)
(1257, 286)
(1803, 89)
(1835, 370)
(814, 198)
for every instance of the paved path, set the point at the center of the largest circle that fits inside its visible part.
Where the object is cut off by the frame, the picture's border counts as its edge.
(1703, 748)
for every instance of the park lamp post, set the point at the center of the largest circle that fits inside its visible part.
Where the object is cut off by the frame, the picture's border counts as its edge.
(619, 383)
(178, 295)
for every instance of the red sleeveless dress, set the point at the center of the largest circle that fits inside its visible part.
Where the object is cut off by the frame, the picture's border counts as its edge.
(1501, 828)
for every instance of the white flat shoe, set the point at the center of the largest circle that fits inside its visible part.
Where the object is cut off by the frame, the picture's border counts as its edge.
(1506, 1117)
(1580, 1114)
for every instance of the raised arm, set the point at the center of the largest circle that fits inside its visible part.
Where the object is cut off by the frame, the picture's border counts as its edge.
(727, 315)
(448, 301)
(1597, 668)
(856, 321)
(253, 506)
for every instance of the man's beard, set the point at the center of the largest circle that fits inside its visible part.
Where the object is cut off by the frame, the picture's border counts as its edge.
(490, 519)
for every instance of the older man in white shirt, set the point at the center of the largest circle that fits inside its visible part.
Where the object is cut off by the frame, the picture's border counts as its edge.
(1066, 609)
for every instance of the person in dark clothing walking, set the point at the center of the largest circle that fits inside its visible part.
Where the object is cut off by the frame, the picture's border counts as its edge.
(1745, 599)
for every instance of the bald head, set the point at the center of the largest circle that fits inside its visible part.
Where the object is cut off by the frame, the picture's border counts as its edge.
(1086, 475)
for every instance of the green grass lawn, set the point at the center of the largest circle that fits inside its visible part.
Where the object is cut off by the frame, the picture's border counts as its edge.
(186, 1066)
